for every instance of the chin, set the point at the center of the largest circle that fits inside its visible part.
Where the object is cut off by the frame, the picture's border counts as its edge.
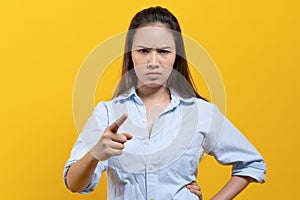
(152, 84)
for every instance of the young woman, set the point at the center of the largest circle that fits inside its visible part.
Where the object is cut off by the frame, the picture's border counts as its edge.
(150, 137)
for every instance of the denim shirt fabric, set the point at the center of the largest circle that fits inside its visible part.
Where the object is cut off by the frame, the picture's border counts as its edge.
(160, 166)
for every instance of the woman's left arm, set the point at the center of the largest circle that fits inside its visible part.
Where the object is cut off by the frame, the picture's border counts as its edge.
(230, 147)
(232, 188)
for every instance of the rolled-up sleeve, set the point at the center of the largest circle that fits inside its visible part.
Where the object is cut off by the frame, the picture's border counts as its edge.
(232, 147)
(88, 137)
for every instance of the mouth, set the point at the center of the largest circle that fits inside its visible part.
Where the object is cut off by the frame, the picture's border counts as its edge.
(153, 75)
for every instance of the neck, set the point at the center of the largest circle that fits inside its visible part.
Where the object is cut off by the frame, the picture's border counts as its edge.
(154, 95)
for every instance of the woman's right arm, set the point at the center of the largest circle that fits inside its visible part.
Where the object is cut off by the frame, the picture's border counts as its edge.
(80, 173)
(110, 144)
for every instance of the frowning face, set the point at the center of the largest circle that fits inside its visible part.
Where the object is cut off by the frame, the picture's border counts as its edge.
(153, 54)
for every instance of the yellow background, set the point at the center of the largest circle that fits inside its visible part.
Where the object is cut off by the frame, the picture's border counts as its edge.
(255, 45)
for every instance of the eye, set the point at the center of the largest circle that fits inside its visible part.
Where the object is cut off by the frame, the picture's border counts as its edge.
(163, 51)
(143, 51)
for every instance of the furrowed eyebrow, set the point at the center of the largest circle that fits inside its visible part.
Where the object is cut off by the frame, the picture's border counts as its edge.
(160, 48)
(143, 47)
(163, 48)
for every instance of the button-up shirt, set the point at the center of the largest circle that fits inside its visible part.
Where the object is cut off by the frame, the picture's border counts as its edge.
(158, 163)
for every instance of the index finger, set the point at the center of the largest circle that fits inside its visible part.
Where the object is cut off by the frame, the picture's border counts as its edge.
(115, 126)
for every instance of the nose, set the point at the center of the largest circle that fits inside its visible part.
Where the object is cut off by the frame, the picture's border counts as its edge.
(153, 60)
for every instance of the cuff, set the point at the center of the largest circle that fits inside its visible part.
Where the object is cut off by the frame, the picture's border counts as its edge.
(255, 170)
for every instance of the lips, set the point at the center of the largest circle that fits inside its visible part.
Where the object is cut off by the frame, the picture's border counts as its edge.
(153, 73)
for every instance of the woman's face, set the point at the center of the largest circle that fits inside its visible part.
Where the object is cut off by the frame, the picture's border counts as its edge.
(153, 54)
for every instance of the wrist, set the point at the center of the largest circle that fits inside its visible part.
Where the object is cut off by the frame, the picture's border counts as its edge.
(92, 158)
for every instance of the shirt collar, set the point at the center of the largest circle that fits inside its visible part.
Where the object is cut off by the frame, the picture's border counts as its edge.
(127, 95)
(175, 98)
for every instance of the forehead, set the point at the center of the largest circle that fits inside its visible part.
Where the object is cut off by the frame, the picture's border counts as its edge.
(153, 36)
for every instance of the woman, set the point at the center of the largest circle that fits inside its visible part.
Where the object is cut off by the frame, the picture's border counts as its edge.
(152, 150)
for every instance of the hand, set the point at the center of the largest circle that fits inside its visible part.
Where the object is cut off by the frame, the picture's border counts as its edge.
(111, 143)
(194, 188)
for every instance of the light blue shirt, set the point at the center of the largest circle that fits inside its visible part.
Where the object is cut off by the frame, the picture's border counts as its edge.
(160, 165)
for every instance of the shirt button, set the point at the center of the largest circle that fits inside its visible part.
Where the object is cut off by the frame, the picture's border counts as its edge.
(151, 167)
(152, 197)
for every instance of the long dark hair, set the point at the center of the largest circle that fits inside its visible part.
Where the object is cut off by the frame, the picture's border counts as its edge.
(180, 79)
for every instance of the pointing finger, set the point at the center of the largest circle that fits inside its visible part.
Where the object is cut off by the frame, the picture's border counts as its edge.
(115, 126)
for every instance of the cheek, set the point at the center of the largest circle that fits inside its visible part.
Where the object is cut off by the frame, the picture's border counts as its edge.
(137, 60)
(138, 66)
(138, 71)
(170, 61)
